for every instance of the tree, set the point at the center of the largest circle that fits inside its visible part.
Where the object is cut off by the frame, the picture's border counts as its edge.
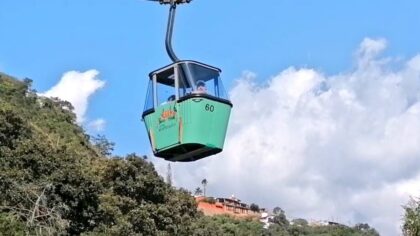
(280, 217)
(300, 222)
(10, 225)
(204, 183)
(366, 229)
(224, 225)
(254, 207)
(104, 146)
(55, 180)
(198, 191)
(411, 224)
(277, 210)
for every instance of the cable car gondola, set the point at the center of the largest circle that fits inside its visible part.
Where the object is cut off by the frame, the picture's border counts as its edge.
(187, 109)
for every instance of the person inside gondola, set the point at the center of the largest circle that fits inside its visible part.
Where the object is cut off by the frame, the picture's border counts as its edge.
(201, 87)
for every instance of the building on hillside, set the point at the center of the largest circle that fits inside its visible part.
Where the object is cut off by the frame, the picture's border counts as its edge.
(222, 206)
(266, 219)
(234, 205)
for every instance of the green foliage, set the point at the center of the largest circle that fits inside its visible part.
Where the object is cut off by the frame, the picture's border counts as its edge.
(138, 199)
(300, 222)
(55, 181)
(282, 227)
(198, 191)
(222, 225)
(10, 225)
(327, 230)
(103, 145)
(411, 225)
(254, 207)
(277, 210)
(280, 217)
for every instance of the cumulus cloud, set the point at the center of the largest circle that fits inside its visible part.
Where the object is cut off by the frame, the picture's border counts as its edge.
(77, 88)
(344, 147)
(368, 50)
(97, 125)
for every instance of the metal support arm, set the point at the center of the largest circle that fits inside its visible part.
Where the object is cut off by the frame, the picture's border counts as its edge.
(169, 30)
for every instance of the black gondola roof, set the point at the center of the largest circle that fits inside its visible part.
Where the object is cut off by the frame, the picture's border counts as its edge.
(166, 72)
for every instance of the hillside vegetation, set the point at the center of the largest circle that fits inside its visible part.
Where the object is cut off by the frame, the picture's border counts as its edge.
(57, 180)
(54, 180)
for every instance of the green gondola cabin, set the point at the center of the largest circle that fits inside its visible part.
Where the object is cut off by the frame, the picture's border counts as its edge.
(186, 112)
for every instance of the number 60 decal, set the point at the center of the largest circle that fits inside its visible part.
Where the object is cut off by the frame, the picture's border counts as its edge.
(209, 107)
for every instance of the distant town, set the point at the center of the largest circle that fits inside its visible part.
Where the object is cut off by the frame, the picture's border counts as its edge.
(234, 207)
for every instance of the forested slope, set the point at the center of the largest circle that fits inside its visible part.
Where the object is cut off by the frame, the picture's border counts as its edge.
(53, 179)
(56, 180)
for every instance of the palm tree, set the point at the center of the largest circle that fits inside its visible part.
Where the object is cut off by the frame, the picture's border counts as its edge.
(198, 191)
(204, 183)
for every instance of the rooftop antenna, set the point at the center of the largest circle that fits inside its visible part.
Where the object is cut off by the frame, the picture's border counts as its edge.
(169, 175)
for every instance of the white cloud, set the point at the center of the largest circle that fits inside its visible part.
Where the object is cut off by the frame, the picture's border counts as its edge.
(343, 147)
(369, 49)
(97, 125)
(77, 87)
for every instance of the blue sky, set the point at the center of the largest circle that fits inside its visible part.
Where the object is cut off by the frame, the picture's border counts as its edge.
(124, 40)
(339, 44)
